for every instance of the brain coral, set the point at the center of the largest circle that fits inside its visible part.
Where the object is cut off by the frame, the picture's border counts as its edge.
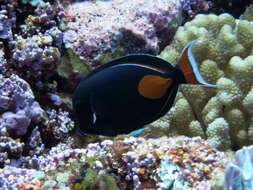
(224, 51)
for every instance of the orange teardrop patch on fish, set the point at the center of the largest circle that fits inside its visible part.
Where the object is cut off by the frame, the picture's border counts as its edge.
(153, 87)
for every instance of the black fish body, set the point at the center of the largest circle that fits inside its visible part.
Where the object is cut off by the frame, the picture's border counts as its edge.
(126, 94)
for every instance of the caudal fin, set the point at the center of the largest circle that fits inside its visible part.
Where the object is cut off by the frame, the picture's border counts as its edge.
(189, 67)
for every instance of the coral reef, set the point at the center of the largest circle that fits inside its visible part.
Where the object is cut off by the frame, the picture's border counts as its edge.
(32, 39)
(100, 31)
(18, 110)
(126, 162)
(5, 26)
(225, 56)
(32, 115)
(17, 98)
(43, 46)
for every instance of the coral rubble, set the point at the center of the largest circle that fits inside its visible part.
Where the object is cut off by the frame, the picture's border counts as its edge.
(126, 162)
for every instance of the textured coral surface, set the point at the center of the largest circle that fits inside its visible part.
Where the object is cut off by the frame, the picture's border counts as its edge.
(132, 163)
(224, 52)
(106, 29)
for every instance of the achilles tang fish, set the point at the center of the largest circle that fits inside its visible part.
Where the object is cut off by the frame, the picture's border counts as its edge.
(131, 91)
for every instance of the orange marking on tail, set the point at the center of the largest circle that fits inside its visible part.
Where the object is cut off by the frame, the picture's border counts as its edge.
(185, 65)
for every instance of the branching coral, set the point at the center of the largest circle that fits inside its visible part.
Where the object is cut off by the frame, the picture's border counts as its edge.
(225, 56)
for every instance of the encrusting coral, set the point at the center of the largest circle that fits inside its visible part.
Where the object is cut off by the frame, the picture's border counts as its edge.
(119, 27)
(32, 114)
(225, 56)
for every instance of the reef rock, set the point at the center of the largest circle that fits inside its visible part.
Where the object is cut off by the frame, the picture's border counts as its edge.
(98, 32)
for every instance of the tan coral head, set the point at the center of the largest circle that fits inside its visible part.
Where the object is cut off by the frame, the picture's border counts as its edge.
(188, 64)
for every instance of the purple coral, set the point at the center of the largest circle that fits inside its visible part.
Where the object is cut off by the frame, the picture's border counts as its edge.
(35, 143)
(45, 16)
(3, 63)
(14, 148)
(193, 7)
(16, 123)
(12, 177)
(37, 54)
(5, 25)
(59, 123)
(17, 101)
(15, 93)
(36, 46)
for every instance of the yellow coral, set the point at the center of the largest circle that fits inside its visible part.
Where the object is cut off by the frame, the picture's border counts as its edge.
(224, 52)
(210, 71)
(248, 101)
(245, 33)
(212, 110)
(237, 129)
(196, 129)
(241, 71)
(228, 92)
(172, 56)
(180, 114)
(218, 134)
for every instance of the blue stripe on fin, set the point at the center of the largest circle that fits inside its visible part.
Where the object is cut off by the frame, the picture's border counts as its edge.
(136, 132)
(195, 66)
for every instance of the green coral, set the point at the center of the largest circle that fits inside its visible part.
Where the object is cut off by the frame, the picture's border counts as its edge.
(224, 51)
(109, 182)
(90, 178)
(106, 57)
(71, 62)
(93, 180)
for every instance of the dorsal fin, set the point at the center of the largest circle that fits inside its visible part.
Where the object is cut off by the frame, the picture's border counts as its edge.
(189, 67)
(142, 59)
